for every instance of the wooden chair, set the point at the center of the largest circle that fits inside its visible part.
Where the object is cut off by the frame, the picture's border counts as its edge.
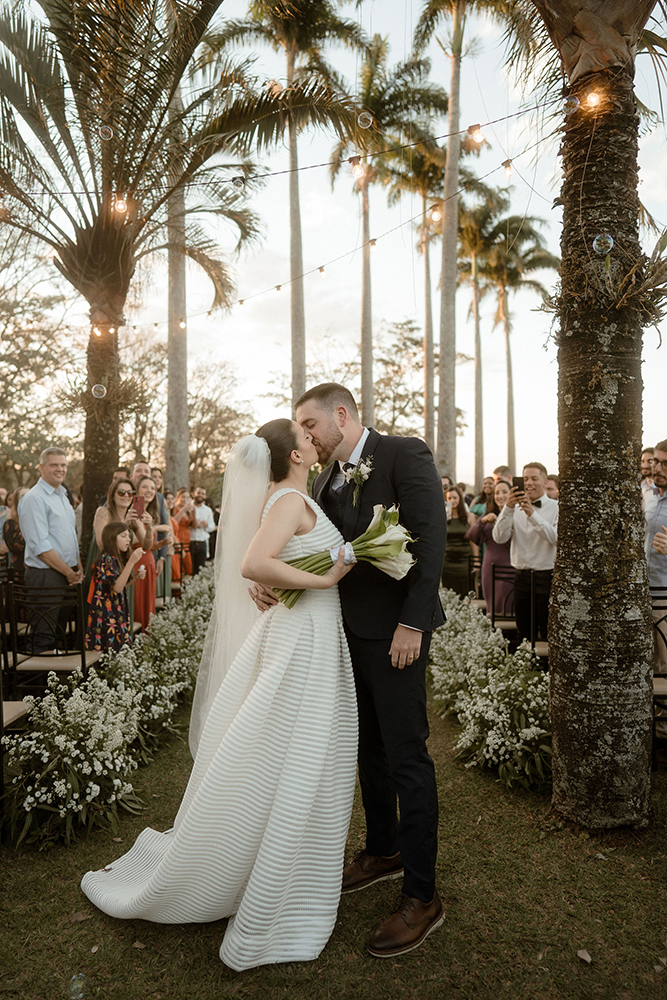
(505, 620)
(54, 615)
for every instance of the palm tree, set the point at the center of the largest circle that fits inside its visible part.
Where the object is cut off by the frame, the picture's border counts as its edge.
(301, 29)
(434, 12)
(518, 251)
(600, 633)
(395, 99)
(93, 146)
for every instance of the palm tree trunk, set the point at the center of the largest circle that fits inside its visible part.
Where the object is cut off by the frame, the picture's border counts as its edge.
(446, 449)
(429, 365)
(100, 441)
(479, 412)
(367, 389)
(298, 316)
(177, 458)
(600, 633)
(511, 443)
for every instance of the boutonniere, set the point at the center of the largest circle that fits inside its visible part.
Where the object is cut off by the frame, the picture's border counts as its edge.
(358, 475)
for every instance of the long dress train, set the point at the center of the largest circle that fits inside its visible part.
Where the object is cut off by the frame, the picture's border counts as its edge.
(260, 834)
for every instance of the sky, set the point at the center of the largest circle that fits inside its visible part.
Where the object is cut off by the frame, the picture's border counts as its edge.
(255, 337)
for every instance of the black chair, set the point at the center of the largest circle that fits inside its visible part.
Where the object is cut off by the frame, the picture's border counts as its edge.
(504, 620)
(540, 646)
(475, 575)
(47, 631)
(181, 550)
(659, 610)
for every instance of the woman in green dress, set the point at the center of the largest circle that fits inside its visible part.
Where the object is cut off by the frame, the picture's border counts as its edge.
(455, 569)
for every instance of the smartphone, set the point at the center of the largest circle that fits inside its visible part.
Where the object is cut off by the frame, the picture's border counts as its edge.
(518, 483)
(139, 506)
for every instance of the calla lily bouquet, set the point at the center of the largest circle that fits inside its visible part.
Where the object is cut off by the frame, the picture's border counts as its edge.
(383, 544)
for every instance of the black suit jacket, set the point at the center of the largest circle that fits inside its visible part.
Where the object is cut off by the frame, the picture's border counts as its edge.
(404, 474)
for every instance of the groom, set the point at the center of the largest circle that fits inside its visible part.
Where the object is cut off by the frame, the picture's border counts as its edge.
(388, 625)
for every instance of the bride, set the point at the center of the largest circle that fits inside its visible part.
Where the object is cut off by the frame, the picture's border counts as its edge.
(260, 833)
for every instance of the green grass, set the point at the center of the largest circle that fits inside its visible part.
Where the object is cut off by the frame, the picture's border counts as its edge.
(521, 896)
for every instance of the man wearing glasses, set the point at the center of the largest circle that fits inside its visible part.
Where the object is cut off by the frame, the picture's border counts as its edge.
(655, 512)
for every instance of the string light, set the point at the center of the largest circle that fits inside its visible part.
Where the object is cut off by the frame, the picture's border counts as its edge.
(238, 182)
(278, 289)
(322, 272)
(507, 167)
(475, 133)
(120, 206)
(112, 329)
(372, 243)
(240, 303)
(593, 99)
(97, 332)
(357, 168)
(155, 326)
(436, 214)
(182, 324)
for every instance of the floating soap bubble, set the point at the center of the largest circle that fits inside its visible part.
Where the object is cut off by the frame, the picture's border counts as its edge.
(76, 988)
(238, 183)
(571, 104)
(603, 244)
(99, 391)
(106, 132)
(365, 119)
(471, 595)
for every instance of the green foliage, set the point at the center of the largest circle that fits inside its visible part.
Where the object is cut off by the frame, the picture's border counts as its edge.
(69, 771)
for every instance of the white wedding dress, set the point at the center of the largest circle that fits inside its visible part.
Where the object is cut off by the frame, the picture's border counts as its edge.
(260, 833)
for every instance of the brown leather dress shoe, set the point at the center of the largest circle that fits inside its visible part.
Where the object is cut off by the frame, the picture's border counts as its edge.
(410, 923)
(366, 869)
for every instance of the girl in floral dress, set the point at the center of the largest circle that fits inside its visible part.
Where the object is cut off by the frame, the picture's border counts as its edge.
(108, 625)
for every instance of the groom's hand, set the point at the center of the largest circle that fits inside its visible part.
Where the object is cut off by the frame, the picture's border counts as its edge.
(263, 597)
(405, 646)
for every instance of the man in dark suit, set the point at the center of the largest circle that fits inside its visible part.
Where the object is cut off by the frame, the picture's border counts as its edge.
(388, 624)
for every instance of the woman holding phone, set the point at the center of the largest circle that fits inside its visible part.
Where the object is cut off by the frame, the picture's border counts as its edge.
(146, 509)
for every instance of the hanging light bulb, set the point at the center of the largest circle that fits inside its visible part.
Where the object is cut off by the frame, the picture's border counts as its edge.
(112, 329)
(155, 326)
(436, 214)
(372, 244)
(322, 272)
(238, 182)
(357, 168)
(593, 99)
(475, 133)
(97, 331)
(507, 166)
(182, 324)
(240, 303)
(278, 287)
(120, 206)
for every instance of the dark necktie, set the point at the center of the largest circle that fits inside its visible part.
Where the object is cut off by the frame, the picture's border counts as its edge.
(346, 467)
(537, 503)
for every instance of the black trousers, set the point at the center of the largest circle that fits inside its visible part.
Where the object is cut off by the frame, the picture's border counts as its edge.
(522, 602)
(47, 625)
(394, 762)
(198, 556)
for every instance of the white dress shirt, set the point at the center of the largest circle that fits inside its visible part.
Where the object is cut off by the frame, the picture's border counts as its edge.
(202, 513)
(533, 539)
(339, 479)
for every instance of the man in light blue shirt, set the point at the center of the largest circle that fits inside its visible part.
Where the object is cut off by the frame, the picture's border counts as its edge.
(48, 525)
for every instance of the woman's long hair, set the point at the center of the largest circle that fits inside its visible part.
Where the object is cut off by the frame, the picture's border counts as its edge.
(461, 512)
(152, 507)
(114, 513)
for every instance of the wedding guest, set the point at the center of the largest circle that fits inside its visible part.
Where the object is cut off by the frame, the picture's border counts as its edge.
(122, 472)
(158, 478)
(498, 553)
(455, 569)
(119, 507)
(13, 539)
(48, 525)
(446, 481)
(529, 521)
(140, 471)
(108, 626)
(647, 468)
(201, 525)
(480, 504)
(181, 564)
(145, 589)
(3, 496)
(655, 515)
(503, 472)
(551, 487)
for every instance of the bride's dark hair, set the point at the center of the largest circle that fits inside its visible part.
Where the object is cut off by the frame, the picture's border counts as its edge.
(281, 439)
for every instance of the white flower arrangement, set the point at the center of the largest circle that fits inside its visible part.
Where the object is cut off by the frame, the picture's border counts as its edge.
(69, 770)
(501, 699)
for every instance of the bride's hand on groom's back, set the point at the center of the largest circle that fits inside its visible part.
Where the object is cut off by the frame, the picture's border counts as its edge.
(263, 596)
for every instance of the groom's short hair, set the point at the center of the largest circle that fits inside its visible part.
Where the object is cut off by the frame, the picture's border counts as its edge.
(329, 395)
